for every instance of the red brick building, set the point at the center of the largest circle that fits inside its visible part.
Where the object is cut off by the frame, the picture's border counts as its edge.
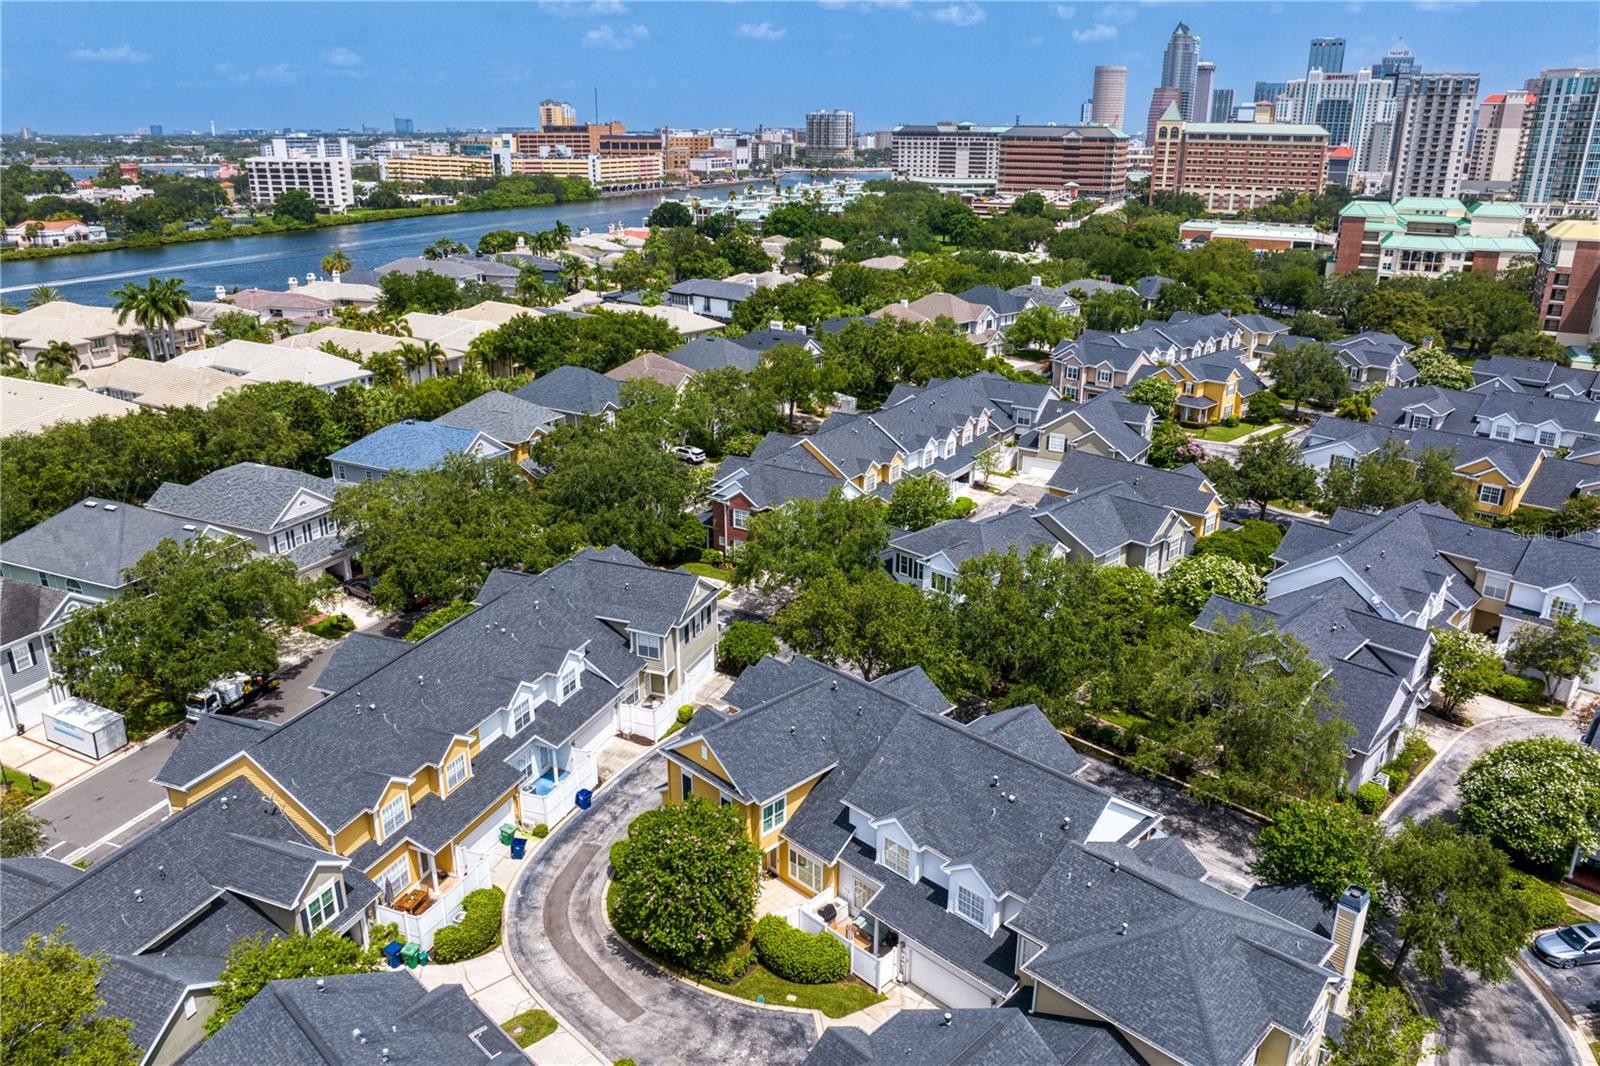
(1566, 287)
(1235, 166)
(1094, 158)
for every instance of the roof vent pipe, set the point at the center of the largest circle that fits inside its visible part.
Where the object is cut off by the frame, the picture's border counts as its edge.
(948, 1017)
(994, 781)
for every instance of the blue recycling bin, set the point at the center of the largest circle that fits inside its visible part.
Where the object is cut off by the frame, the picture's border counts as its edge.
(584, 799)
(391, 952)
(519, 847)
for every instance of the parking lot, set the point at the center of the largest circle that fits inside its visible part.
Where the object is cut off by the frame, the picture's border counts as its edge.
(1578, 989)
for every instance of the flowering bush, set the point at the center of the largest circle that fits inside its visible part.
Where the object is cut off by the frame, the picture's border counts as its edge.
(1538, 798)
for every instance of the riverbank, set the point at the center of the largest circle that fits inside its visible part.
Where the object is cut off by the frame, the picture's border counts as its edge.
(273, 228)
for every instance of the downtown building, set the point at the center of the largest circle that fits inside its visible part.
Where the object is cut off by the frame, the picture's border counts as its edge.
(1562, 161)
(1110, 100)
(1428, 236)
(1500, 140)
(1566, 285)
(1356, 109)
(1235, 166)
(1087, 160)
(311, 164)
(1433, 118)
(1180, 67)
(831, 134)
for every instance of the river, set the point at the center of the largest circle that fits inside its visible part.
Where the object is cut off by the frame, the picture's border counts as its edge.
(267, 262)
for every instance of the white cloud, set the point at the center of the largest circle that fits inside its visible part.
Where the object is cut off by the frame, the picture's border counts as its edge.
(1122, 13)
(574, 9)
(341, 57)
(1066, 11)
(606, 36)
(118, 53)
(1031, 42)
(760, 31)
(276, 74)
(959, 14)
(1098, 32)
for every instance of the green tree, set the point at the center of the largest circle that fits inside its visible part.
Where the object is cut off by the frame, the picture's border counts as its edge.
(1454, 899)
(1392, 475)
(437, 533)
(155, 308)
(22, 832)
(255, 962)
(1382, 1028)
(919, 502)
(423, 291)
(1268, 470)
(1358, 406)
(1158, 392)
(1531, 344)
(1538, 798)
(1464, 665)
(1190, 582)
(1113, 310)
(1476, 309)
(791, 374)
(1436, 366)
(336, 262)
(1171, 446)
(1252, 543)
(40, 295)
(1040, 329)
(194, 612)
(444, 248)
(241, 326)
(1406, 313)
(1306, 372)
(1328, 846)
(872, 623)
(685, 881)
(744, 644)
(669, 213)
(1559, 651)
(56, 362)
(295, 205)
(804, 540)
(52, 1009)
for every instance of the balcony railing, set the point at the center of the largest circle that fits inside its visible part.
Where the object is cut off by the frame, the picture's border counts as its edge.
(550, 797)
(442, 910)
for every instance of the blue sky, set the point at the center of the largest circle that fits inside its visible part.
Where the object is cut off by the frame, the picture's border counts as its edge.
(111, 67)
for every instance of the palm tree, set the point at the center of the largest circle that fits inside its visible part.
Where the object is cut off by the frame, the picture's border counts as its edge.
(336, 262)
(435, 356)
(155, 308)
(11, 356)
(385, 368)
(55, 363)
(562, 233)
(391, 324)
(574, 271)
(43, 294)
(531, 288)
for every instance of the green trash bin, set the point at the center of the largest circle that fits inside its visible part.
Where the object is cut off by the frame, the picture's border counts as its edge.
(411, 954)
(508, 833)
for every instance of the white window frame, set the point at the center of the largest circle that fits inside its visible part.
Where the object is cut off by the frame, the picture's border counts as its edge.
(570, 683)
(774, 814)
(1554, 438)
(1493, 495)
(521, 715)
(741, 518)
(966, 902)
(384, 829)
(18, 653)
(1070, 373)
(646, 643)
(1501, 431)
(455, 772)
(1103, 376)
(895, 857)
(1055, 442)
(1421, 421)
(799, 863)
(326, 905)
(1496, 586)
(1560, 608)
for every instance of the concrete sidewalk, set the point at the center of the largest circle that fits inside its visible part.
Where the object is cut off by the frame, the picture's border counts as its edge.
(491, 984)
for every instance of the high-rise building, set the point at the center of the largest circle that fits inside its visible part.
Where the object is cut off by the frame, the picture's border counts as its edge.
(830, 134)
(1205, 74)
(1160, 99)
(956, 152)
(404, 125)
(300, 162)
(1432, 122)
(556, 113)
(1327, 55)
(1562, 161)
(1180, 67)
(1268, 91)
(1110, 96)
(1566, 285)
(1086, 112)
(1498, 143)
(1222, 105)
(1093, 159)
(155, 131)
(1236, 166)
(1351, 107)
(1396, 61)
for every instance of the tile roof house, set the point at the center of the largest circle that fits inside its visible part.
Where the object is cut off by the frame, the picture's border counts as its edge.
(290, 360)
(422, 750)
(575, 393)
(167, 906)
(459, 268)
(28, 406)
(710, 299)
(656, 367)
(292, 306)
(28, 625)
(1000, 875)
(88, 547)
(314, 1021)
(409, 445)
(159, 386)
(281, 512)
(92, 331)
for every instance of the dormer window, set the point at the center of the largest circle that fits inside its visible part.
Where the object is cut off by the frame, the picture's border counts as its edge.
(322, 908)
(897, 858)
(569, 683)
(1502, 431)
(1103, 375)
(1547, 438)
(647, 646)
(1419, 421)
(455, 772)
(522, 716)
(392, 816)
(970, 906)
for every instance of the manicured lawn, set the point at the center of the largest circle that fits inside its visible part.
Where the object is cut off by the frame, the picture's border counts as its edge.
(1130, 722)
(835, 1000)
(708, 571)
(331, 627)
(1275, 431)
(28, 786)
(530, 1027)
(1223, 434)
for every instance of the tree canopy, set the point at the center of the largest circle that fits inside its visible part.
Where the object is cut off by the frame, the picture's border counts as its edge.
(1538, 798)
(255, 962)
(52, 1010)
(1325, 845)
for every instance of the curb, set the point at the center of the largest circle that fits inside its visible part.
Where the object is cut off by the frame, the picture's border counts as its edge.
(1439, 756)
(104, 764)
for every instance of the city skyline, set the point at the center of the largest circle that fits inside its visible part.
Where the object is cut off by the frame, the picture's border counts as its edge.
(354, 72)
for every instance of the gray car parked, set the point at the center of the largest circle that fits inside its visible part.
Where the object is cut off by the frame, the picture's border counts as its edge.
(1574, 945)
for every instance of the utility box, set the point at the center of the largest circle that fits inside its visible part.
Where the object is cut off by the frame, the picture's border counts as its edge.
(86, 728)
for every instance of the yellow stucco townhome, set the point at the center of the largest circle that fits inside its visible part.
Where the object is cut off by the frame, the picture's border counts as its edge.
(972, 864)
(421, 752)
(1211, 389)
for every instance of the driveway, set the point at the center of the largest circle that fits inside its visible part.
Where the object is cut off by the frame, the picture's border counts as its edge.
(1434, 793)
(1508, 1024)
(559, 941)
(1578, 988)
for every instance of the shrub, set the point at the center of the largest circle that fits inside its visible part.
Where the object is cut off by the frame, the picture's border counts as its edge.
(333, 627)
(1231, 421)
(478, 932)
(712, 557)
(539, 832)
(1546, 905)
(804, 958)
(1263, 407)
(1514, 689)
(962, 506)
(1370, 797)
(437, 619)
(1415, 752)
(685, 713)
(1399, 776)
(728, 968)
(744, 644)
(1538, 798)
(741, 443)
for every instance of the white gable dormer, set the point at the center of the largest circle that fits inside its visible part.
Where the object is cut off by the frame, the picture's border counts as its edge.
(304, 504)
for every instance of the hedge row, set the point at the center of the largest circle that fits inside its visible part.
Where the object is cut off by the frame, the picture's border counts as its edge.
(804, 958)
(478, 932)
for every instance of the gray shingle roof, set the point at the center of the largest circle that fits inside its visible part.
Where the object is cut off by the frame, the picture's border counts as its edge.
(94, 540)
(1558, 480)
(573, 390)
(768, 485)
(245, 495)
(1185, 489)
(711, 353)
(998, 1036)
(768, 337)
(1540, 375)
(1026, 731)
(409, 445)
(717, 290)
(309, 1021)
(1300, 904)
(1004, 302)
(507, 418)
(27, 608)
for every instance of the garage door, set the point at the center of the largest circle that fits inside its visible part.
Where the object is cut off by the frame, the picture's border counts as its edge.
(942, 982)
(698, 673)
(484, 839)
(1032, 464)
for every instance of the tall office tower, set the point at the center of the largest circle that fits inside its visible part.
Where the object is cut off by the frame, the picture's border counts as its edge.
(1430, 134)
(1396, 61)
(1179, 68)
(1205, 73)
(830, 134)
(1086, 112)
(1327, 55)
(1222, 105)
(1160, 99)
(1500, 139)
(556, 113)
(1562, 161)
(1268, 91)
(1110, 96)
(404, 125)
(1349, 106)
